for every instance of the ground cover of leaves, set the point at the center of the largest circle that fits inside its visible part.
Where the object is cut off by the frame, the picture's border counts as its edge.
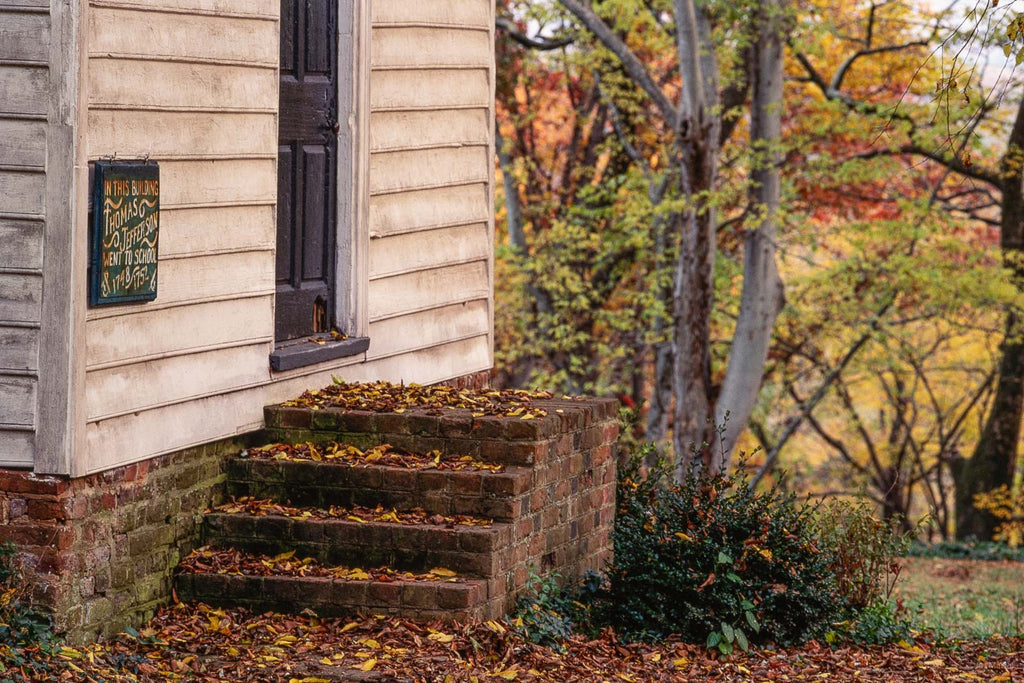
(385, 397)
(385, 455)
(199, 643)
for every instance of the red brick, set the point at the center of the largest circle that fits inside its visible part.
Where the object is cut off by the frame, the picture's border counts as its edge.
(380, 593)
(420, 594)
(466, 483)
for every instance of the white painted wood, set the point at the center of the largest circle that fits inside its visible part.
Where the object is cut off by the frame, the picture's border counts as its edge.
(22, 143)
(420, 47)
(266, 9)
(19, 348)
(434, 288)
(130, 133)
(430, 249)
(412, 129)
(453, 12)
(350, 280)
(220, 276)
(241, 181)
(17, 400)
(177, 330)
(188, 231)
(433, 328)
(177, 36)
(437, 89)
(16, 448)
(23, 89)
(24, 36)
(492, 155)
(396, 213)
(402, 171)
(174, 427)
(61, 337)
(143, 83)
(20, 297)
(171, 380)
(35, 6)
(426, 366)
(21, 244)
(22, 192)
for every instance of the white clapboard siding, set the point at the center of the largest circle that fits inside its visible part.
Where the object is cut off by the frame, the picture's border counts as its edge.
(181, 134)
(22, 143)
(216, 8)
(393, 296)
(22, 192)
(433, 364)
(16, 448)
(21, 244)
(156, 34)
(448, 47)
(430, 249)
(23, 89)
(203, 278)
(24, 36)
(157, 431)
(428, 328)
(447, 12)
(19, 348)
(17, 400)
(149, 333)
(20, 297)
(236, 181)
(412, 129)
(409, 211)
(174, 379)
(415, 169)
(196, 231)
(176, 85)
(429, 89)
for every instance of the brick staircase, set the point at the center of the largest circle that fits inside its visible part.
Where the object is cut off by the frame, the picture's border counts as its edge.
(456, 543)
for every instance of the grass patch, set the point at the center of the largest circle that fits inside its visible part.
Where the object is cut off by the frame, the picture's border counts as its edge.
(964, 598)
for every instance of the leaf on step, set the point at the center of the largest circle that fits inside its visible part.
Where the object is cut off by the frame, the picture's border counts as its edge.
(441, 571)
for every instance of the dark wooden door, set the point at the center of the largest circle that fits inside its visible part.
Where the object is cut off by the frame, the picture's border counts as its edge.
(307, 168)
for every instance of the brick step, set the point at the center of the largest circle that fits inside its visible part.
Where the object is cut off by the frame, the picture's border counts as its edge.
(381, 592)
(470, 549)
(509, 440)
(500, 496)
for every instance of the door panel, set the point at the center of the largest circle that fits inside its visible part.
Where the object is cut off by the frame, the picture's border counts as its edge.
(307, 168)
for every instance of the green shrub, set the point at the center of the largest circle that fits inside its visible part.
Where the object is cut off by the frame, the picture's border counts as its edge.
(24, 631)
(547, 613)
(975, 550)
(864, 552)
(879, 623)
(713, 561)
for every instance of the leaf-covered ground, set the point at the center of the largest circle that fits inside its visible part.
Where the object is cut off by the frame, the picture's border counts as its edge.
(195, 642)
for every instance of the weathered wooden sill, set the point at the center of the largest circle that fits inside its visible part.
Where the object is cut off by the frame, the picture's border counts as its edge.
(297, 353)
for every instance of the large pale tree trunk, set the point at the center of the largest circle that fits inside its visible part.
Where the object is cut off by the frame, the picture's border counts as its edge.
(995, 455)
(762, 296)
(698, 130)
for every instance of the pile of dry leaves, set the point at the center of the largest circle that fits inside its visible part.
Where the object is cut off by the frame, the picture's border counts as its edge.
(385, 397)
(198, 643)
(385, 455)
(262, 507)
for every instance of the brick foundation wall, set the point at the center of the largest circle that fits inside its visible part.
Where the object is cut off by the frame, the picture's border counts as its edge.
(99, 551)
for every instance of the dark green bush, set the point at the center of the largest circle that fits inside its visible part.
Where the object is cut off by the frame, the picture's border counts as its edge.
(968, 550)
(713, 561)
(547, 613)
(879, 623)
(24, 631)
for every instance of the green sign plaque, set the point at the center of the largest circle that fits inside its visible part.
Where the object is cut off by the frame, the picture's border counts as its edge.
(125, 231)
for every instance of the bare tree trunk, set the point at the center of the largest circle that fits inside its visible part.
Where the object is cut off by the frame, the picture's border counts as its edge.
(513, 208)
(995, 455)
(698, 131)
(763, 295)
